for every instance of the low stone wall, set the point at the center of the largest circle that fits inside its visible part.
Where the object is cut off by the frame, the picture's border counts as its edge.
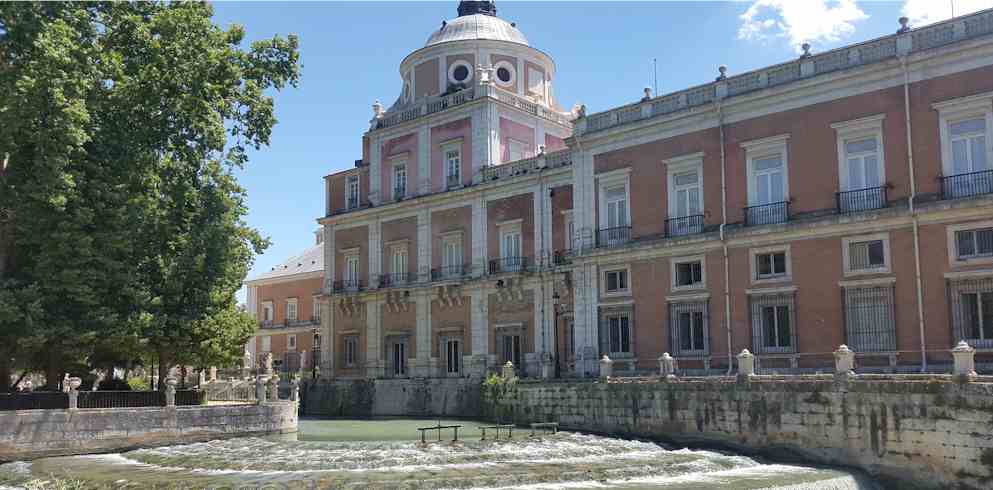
(33, 434)
(914, 432)
(437, 397)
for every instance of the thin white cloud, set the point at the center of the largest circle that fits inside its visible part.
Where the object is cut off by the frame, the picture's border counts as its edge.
(923, 12)
(800, 21)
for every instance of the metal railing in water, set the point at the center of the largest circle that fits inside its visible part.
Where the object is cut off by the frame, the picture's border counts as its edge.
(966, 185)
(439, 428)
(861, 200)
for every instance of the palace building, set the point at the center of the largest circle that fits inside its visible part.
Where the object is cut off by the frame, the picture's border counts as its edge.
(843, 197)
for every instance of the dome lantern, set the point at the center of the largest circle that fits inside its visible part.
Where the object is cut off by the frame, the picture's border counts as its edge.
(467, 7)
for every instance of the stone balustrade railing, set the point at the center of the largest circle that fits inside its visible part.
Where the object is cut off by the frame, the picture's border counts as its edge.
(903, 43)
(527, 166)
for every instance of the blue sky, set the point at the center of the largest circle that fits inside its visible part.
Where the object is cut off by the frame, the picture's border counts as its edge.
(351, 52)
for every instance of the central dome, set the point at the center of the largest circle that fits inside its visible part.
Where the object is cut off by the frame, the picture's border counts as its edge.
(477, 26)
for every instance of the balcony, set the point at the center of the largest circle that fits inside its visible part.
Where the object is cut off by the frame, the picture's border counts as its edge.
(302, 323)
(453, 182)
(352, 203)
(396, 279)
(348, 286)
(966, 185)
(400, 193)
(685, 225)
(613, 237)
(767, 214)
(509, 264)
(861, 200)
(449, 272)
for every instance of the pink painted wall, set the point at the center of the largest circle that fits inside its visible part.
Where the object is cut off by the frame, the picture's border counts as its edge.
(446, 132)
(510, 129)
(393, 148)
(553, 143)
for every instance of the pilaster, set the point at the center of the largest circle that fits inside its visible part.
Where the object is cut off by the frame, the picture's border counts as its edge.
(478, 236)
(423, 334)
(424, 160)
(585, 293)
(374, 338)
(479, 312)
(327, 339)
(375, 165)
(329, 253)
(375, 252)
(424, 240)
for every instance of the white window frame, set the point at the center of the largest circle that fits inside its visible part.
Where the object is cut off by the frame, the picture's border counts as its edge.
(681, 165)
(353, 191)
(674, 262)
(397, 165)
(513, 73)
(533, 76)
(517, 146)
(855, 130)
(753, 266)
(268, 311)
(291, 342)
(568, 229)
(266, 343)
(456, 64)
(609, 180)
(398, 249)
(354, 361)
(953, 249)
(960, 109)
(348, 256)
(452, 239)
(292, 302)
(454, 145)
(607, 315)
(846, 243)
(315, 312)
(607, 269)
(510, 228)
(764, 148)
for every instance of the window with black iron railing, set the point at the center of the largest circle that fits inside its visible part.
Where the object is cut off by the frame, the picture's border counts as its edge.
(449, 272)
(352, 202)
(396, 279)
(767, 214)
(613, 237)
(684, 225)
(453, 182)
(399, 192)
(509, 264)
(348, 285)
(966, 185)
(861, 200)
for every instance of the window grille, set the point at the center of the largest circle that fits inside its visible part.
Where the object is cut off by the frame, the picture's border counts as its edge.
(617, 332)
(870, 320)
(689, 330)
(974, 243)
(972, 311)
(351, 351)
(773, 323)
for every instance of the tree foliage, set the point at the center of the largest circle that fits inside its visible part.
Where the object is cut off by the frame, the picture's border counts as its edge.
(122, 124)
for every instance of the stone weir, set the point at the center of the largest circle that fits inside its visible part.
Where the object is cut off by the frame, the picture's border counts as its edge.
(908, 431)
(31, 434)
(417, 397)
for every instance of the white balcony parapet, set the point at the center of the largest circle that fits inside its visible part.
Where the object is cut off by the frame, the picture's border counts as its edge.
(889, 47)
(526, 166)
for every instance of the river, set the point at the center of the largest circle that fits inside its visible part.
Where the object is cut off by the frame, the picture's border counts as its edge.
(387, 453)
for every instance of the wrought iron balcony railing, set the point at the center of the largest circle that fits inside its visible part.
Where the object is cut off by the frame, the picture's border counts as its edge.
(453, 181)
(861, 200)
(613, 237)
(966, 185)
(684, 225)
(509, 264)
(767, 214)
(350, 285)
(352, 203)
(396, 279)
(400, 193)
(449, 272)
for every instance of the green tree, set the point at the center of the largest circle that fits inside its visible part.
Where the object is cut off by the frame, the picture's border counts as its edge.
(122, 125)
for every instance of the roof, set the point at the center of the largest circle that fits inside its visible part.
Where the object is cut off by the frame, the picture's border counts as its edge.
(477, 26)
(311, 260)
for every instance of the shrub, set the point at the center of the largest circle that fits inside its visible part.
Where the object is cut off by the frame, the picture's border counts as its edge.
(139, 384)
(114, 384)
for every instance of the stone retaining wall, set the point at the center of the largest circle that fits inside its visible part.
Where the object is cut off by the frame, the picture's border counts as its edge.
(33, 434)
(923, 432)
(437, 397)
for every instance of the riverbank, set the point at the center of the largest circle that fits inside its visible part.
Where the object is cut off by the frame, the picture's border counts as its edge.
(31, 434)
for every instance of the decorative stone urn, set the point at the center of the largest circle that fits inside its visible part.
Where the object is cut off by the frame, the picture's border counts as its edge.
(746, 364)
(964, 356)
(507, 372)
(606, 367)
(71, 385)
(274, 388)
(170, 391)
(844, 361)
(667, 367)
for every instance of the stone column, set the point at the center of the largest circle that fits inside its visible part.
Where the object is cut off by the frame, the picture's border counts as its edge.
(586, 318)
(170, 392)
(479, 246)
(424, 242)
(374, 338)
(424, 177)
(213, 374)
(375, 253)
(479, 320)
(295, 389)
(964, 356)
(376, 192)
(423, 335)
(327, 339)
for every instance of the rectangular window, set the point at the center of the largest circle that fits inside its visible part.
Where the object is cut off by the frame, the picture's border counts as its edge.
(616, 281)
(397, 350)
(399, 181)
(869, 319)
(536, 80)
(868, 255)
(291, 309)
(972, 311)
(569, 228)
(510, 349)
(687, 194)
(770, 265)
(267, 311)
(451, 255)
(619, 334)
(688, 328)
(399, 262)
(351, 351)
(316, 309)
(968, 145)
(453, 356)
(291, 342)
(266, 343)
(769, 180)
(617, 206)
(453, 167)
(772, 323)
(974, 243)
(517, 150)
(862, 164)
(510, 242)
(352, 270)
(353, 192)
(689, 274)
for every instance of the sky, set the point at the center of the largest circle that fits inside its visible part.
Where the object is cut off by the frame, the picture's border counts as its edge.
(604, 52)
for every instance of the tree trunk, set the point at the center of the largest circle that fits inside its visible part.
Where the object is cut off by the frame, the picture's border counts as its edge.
(5, 385)
(164, 365)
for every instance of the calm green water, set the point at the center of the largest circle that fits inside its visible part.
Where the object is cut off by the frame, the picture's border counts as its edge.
(386, 454)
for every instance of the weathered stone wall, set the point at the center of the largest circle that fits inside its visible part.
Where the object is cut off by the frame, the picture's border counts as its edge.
(33, 434)
(918, 432)
(432, 397)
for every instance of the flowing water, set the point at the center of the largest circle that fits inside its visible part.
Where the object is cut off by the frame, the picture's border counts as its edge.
(387, 454)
